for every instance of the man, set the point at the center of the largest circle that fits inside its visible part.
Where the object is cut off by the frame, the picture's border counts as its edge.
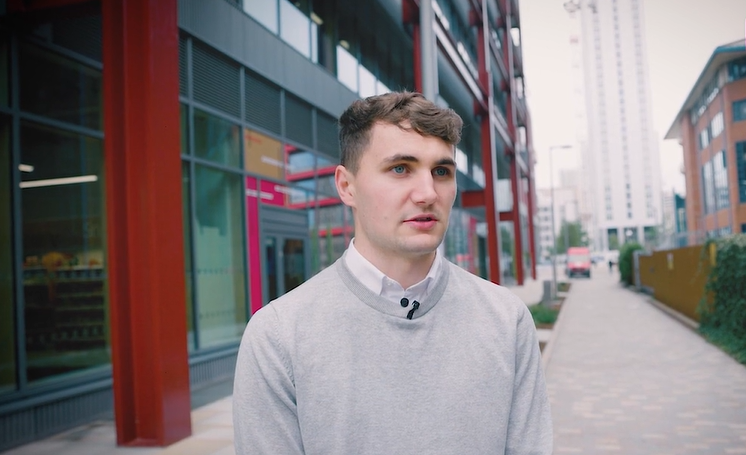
(393, 349)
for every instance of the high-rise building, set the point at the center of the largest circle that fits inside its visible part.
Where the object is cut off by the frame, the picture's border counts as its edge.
(621, 166)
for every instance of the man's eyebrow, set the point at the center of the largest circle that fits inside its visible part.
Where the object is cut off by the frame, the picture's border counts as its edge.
(399, 157)
(413, 159)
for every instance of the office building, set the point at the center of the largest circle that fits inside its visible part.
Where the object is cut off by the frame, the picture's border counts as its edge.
(167, 170)
(711, 128)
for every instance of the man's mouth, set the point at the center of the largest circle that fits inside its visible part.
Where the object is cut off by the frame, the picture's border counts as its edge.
(423, 218)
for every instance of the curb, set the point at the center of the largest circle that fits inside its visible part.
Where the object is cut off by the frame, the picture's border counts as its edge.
(684, 320)
(546, 354)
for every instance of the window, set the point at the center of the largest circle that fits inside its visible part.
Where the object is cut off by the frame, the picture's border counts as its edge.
(263, 11)
(741, 167)
(708, 187)
(263, 154)
(717, 124)
(295, 28)
(64, 250)
(7, 324)
(216, 139)
(704, 138)
(720, 171)
(72, 96)
(739, 110)
(219, 263)
(737, 69)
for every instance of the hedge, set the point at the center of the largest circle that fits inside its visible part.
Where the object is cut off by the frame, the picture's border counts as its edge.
(722, 309)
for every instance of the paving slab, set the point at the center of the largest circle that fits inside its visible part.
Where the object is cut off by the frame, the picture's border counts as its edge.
(625, 377)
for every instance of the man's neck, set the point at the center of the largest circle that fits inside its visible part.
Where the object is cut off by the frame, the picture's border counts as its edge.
(406, 271)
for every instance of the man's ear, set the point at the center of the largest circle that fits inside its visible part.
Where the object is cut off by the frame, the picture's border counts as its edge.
(345, 182)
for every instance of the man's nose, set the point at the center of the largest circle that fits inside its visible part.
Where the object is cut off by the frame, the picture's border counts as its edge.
(424, 192)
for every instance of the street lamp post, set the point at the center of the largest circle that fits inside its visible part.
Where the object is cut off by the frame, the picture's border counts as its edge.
(554, 234)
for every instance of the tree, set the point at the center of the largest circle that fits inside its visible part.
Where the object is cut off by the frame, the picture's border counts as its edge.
(571, 234)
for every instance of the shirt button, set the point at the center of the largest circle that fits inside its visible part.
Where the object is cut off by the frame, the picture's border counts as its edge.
(404, 302)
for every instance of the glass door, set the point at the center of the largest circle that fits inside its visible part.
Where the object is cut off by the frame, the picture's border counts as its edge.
(285, 264)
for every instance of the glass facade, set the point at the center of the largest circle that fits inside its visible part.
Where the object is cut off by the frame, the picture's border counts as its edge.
(220, 274)
(366, 60)
(7, 313)
(62, 206)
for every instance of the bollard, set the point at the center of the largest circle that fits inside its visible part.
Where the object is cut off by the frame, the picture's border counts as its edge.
(546, 298)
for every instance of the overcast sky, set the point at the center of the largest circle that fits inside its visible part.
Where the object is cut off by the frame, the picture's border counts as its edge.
(681, 36)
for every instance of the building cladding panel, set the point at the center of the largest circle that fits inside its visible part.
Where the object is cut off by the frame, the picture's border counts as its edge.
(626, 165)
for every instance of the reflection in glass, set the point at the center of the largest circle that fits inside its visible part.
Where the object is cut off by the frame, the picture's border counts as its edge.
(294, 263)
(7, 326)
(346, 68)
(184, 129)
(264, 11)
(263, 155)
(62, 206)
(299, 160)
(4, 74)
(73, 95)
(187, 217)
(216, 139)
(295, 28)
(367, 82)
(326, 187)
(270, 256)
(381, 88)
(219, 262)
(322, 162)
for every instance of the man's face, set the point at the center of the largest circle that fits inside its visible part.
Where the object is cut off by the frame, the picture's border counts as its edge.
(401, 195)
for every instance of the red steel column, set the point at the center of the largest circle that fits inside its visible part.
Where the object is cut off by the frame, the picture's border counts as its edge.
(487, 140)
(411, 15)
(144, 222)
(514, 171)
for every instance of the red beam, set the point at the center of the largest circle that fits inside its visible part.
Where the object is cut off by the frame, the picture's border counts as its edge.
(506, 216)
(336, 231)
(144, 221)
(473, 198)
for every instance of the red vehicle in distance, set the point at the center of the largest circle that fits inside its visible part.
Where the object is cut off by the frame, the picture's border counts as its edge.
(578, 262)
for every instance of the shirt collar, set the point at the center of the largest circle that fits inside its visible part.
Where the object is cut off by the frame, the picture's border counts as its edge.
(386, 287)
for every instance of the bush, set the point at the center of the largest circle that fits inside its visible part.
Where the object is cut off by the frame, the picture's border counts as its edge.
(543, 314)
(627, 261)
(722, 310)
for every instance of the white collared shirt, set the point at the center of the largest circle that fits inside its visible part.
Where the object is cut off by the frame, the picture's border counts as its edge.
(380, 284)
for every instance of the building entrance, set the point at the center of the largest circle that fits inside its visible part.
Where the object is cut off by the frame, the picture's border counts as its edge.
(285, 245)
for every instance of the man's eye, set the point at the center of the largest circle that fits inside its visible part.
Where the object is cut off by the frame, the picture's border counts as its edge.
(441, 172)
(398, 169)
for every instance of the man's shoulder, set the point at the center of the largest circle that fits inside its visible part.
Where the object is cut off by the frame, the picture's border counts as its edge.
(468, 283)
(319, 288)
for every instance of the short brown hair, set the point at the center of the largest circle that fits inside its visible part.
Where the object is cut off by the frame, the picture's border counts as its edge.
(396, 108)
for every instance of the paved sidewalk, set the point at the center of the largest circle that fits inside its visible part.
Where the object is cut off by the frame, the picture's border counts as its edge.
(212, 434)
(624, 377)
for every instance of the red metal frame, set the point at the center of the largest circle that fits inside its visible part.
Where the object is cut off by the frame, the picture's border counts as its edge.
(144, 222)
(490, 208)
(515, 172)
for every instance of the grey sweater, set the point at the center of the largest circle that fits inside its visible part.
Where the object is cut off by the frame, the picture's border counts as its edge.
(333, 369)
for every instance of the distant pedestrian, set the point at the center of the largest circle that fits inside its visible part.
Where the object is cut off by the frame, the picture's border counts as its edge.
(611, 265)
(393, 349)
